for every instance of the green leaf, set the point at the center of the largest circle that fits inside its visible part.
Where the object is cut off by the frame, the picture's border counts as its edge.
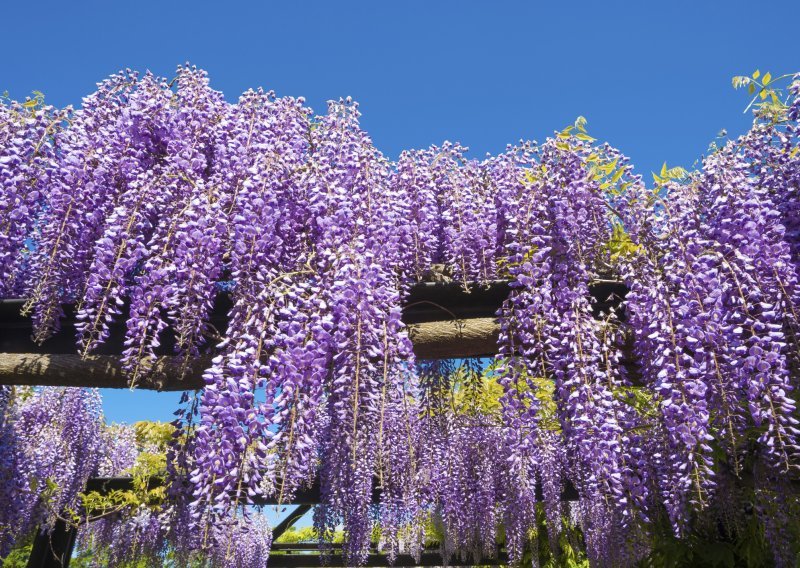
(767, 78)
(751, 88)
(585, 137)
(756, 74)
(676, 172)
(608, 168)
(531, 177)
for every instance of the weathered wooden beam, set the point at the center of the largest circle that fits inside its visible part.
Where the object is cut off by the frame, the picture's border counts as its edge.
(444, 321)
(100, 371)
(474, 337)
(432, 340)
(305, 495)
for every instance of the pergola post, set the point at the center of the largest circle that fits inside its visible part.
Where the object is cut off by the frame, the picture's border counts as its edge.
(53, 549)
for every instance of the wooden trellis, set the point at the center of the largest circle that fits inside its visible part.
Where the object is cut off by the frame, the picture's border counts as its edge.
(444, 321)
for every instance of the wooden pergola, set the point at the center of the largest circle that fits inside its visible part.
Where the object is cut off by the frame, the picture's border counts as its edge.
(445, 321)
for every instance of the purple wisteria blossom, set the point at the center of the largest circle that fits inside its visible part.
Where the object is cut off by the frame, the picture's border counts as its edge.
(157, 203)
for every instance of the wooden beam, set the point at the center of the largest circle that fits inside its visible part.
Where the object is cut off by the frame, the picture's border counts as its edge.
(100, 371)
(444, 321)
(306, 495)
(432, 340)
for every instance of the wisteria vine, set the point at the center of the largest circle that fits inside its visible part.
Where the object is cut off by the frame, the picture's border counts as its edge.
(156, 200)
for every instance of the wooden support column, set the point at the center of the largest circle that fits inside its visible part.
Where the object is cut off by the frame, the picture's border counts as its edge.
(53, 549)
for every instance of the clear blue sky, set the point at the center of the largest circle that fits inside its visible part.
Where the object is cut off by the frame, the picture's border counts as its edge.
(651, 78)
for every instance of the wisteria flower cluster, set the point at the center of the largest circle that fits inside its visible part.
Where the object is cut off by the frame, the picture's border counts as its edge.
(51, 444)
(157, 200)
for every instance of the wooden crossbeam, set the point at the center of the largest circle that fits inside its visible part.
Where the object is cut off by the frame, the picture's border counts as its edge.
(444, 321)
(476, 337)
(306, 495)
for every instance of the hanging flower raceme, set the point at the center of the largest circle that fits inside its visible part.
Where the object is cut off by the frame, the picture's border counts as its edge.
(750, 248)
(661, 292)
(402, 512)
(460, 455)
(247, 544)
(421, 229)
(27, 134)
(8, 482)
(108, 147)
(549, 326)
(182, 259)
(525, 227)
(358, 246)
(51, 445)
(265, 257)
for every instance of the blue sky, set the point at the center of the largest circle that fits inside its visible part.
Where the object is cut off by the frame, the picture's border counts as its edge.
(652, 78)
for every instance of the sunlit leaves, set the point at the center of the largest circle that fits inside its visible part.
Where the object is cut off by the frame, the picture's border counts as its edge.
(666, 174)
(772, 106)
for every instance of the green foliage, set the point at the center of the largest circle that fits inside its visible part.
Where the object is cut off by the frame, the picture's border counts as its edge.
(568, 552)
(36, 101)
(18, 557)
(675, 173)
(476, 394)
(152, 440)
(153, 434)
(503, 265)
(543, 391)
(576, 130)
(306, 535)
(766, 96)
(608, 173)
(620, 244)
(603, 168)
